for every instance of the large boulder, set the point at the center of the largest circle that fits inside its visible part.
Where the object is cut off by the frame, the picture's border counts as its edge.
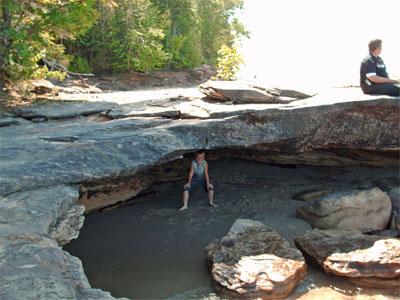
(366, 260)
(254, 261)
(365, 210)
(394, 195)
(241, 92)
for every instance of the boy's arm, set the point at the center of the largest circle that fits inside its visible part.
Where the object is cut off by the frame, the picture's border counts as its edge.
(206, 175)
(190, 175)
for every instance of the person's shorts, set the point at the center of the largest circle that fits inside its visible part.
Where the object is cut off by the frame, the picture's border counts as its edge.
(197, 183)
(389, 89)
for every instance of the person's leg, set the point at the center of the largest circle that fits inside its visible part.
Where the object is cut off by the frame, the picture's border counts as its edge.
(210, 192)
(388, 89)
(185, 197)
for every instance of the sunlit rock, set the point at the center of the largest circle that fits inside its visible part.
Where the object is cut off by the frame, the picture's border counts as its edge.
(241, 92)
(365, 210)
(254, 261)
(368, 260)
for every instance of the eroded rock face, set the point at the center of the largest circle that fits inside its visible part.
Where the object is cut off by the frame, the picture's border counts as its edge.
(365, 210)
(253, 261)
(34, 267)
(34, 223)
(368, 260)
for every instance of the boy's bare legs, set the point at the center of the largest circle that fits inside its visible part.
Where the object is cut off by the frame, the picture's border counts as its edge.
(211, 196)
(185, 197)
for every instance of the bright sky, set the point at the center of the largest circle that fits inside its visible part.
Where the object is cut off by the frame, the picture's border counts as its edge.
(317, 42)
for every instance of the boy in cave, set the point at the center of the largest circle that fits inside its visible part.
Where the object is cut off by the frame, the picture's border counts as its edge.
(198, 176)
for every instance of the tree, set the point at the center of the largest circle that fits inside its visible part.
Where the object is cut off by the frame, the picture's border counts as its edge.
(33, 30)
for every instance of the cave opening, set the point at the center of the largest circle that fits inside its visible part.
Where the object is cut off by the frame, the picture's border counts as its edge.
(143, 248)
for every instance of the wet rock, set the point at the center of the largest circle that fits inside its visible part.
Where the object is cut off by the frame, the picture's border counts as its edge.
(253, 261)
(366, 260)
(365, 210)
(394, 195)
(240, 92)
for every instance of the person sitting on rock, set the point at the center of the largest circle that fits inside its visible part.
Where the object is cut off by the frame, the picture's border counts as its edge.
(373, 76)
(198, 176)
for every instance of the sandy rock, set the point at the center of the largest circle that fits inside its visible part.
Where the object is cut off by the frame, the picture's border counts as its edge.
(365, 210)
(241, 92)
(253, 261)
(326, 293)
(366, 260)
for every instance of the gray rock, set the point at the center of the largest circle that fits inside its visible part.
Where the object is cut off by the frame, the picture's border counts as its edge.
(34, 267)
(241, 92)
(394, 195)
(365, 210)
(62, 110)
(40, 161)
(46, 211)
(52, 153)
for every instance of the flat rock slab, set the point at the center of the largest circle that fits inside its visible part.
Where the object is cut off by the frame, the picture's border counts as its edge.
(62, 110)
(241, 92)
(365, 210)
(254, 261)
(367, 260)
(326, 293)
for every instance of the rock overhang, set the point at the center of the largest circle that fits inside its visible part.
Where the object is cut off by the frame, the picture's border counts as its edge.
(42, 159)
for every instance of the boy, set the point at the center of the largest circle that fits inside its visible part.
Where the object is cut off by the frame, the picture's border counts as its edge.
(198, 175)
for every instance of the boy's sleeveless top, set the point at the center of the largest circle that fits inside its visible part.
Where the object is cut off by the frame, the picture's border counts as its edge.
(199, 169)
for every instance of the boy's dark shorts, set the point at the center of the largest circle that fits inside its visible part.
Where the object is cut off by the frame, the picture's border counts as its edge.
(197, 182)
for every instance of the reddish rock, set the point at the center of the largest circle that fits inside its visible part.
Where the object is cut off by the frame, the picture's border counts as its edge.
(253, 261)
(366, 260)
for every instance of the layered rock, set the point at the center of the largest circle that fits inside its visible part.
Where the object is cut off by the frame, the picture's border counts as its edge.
(253, 261)
(41, 163)
(241, 92)
(35, 267)
(365, 210)
(367, 260)
(80, 150)
(33, 225)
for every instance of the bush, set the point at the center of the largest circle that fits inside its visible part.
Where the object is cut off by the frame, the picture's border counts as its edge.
(80, 65)
(228, 63)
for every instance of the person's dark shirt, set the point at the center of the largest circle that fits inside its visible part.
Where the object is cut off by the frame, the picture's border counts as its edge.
(371, 65)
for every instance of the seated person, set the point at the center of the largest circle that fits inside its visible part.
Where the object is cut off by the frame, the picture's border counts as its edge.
(373, 76)
(198, 176)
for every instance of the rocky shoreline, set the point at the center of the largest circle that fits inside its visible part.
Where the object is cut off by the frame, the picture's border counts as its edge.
(48, 151)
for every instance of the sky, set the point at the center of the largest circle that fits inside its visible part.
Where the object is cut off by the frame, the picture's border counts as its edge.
(316, 42)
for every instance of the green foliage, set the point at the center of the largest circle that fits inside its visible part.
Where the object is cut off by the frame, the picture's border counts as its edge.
(114, 35)
(228, 63)
(32, 30)
(80, 65)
